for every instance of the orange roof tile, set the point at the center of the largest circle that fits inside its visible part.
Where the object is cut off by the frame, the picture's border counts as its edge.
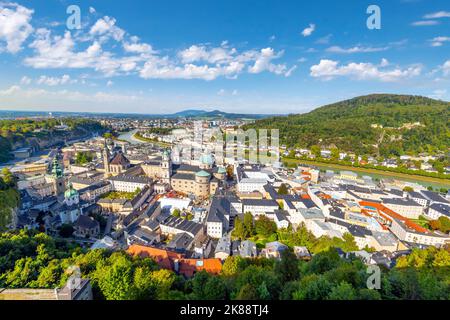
(390, 214)
(189, 267)
(166, 260)
(162, 257)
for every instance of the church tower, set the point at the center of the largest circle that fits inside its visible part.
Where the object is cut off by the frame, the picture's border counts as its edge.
(106, 160)
(58, 177)
(166, 167)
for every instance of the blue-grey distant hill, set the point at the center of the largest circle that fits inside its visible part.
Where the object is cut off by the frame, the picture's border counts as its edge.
(200, 114)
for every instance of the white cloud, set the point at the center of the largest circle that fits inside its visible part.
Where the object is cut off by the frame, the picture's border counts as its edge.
(15, 25)
(425, 23)
(55, 81)
(10, 91)
(196, 62)
(446, 68)
(25, 80)
(53, 52)
(330, 69)
(384, 62)
(221, 92)
(324, 40)
(92, 10)
(109, 83)
(309, 30)
(356, 49)
(263, 62)
(437, 15)
(137, 47)
(290, 71)
(439, 41)
(215, 62)
(164, 68)
(106, 27)
(211, 55)
(66, 95)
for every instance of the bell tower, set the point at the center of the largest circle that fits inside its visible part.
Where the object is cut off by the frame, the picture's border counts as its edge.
(106, 160)
(58, 177)
(166, 167)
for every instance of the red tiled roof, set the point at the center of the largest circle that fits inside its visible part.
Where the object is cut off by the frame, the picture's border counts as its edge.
(390, 214)
(166, 260)
(162, 257)
(188, 267)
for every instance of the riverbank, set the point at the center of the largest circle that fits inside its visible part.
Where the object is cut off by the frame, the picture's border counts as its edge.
(137, 136)
(445, 183)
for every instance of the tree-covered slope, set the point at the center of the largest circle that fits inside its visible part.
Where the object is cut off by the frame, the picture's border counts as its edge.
(382, 124)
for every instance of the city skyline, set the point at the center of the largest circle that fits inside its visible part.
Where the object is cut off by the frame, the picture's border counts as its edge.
(263, 58)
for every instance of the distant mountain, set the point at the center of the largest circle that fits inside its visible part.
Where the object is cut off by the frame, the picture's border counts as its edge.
(188, 113)
(378, 124)
(216, 114)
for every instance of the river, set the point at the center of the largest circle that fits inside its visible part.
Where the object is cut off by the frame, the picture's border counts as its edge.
(129, 137)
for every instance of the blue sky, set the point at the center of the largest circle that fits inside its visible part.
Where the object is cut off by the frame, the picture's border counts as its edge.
(237, 56)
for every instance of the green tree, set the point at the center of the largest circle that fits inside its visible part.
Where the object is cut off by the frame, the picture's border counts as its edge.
(239, 231)
(215, 289)
(335, 154)
(176, 213)
(315, 150)
(198, 283)
(231, 265)
(116, 281)
(8, 177)
(343, 291)
(163, 280)
(313, 287)
(283, 190)
(248, 292)
(287, 268)
(265, 227)
(66, 231)
(248, 224)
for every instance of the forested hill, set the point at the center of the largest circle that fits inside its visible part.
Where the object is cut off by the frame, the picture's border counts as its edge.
(378, 124)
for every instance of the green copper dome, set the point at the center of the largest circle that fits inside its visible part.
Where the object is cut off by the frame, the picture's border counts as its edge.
(202, 174)
(70, 192)
(221, 170)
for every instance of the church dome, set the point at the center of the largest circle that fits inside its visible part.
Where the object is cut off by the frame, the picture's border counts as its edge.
(221, 170)
(70, 192)
(202, 174)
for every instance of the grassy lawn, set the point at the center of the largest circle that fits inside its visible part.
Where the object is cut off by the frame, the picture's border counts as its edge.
(260, 241)
(154, 141)
(113, 195)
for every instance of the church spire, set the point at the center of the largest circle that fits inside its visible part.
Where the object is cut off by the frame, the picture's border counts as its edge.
(57, 170)
(106, 158)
